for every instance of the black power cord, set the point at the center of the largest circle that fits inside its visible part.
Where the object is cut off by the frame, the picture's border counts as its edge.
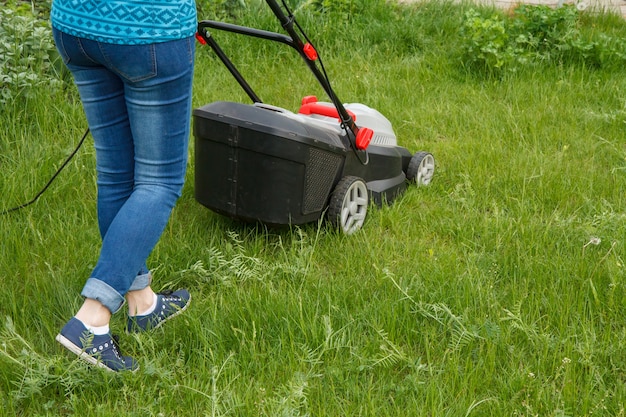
(43, 190)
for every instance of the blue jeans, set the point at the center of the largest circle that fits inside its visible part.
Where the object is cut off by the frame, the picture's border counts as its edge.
(137, 100)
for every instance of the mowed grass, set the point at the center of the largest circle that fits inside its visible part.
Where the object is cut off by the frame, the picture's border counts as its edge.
(496, 291)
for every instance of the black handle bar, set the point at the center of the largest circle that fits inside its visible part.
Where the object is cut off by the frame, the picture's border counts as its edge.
(292, 40)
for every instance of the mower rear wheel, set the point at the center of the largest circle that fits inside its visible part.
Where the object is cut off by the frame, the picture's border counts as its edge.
(348, 204)
(421, 168)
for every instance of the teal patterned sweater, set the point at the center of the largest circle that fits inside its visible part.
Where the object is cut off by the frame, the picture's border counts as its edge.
(125, 22)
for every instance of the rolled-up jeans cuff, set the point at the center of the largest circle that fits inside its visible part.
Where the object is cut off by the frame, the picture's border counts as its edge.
(104, 293)
(141, 282)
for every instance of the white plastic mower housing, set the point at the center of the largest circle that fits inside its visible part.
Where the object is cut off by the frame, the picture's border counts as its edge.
(363, 116)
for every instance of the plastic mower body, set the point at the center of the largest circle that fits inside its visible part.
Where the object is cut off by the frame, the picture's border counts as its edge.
(262, 163)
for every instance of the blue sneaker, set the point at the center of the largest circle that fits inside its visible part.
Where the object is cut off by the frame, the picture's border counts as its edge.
(99, 350)
(169, 305)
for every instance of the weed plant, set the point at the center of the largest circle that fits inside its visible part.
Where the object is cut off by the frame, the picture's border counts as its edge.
(536, 35)
(29, 59)
(496, 291)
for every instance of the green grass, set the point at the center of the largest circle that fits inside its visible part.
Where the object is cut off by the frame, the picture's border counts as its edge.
(496, 291)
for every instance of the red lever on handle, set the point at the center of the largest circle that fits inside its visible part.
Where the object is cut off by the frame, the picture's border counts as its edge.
(364, 137)
(200, 39)
(310, 52)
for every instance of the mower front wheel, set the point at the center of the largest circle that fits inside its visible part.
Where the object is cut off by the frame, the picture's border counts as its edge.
(348, 204)
(421, 168)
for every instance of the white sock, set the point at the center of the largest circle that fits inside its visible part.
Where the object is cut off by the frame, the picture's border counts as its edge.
(97, 330)
(152, 307)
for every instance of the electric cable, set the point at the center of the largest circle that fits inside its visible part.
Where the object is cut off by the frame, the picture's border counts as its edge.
(51, 180)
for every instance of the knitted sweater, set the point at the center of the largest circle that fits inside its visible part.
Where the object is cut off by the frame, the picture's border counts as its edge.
(125, 22)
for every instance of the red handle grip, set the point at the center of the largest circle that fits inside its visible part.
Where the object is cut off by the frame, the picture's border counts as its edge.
(322, 110)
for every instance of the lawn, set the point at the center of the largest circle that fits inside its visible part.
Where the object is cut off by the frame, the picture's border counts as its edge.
(498, 290)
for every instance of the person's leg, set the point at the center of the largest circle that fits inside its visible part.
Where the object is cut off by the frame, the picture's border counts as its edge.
(130, 224)
(87, 333)
(161, 160)
(141, 136)
(103, 97)
(93, 314)
(140, 301)
(159, 109)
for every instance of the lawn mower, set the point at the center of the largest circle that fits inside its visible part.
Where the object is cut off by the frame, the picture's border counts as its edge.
(262, 163)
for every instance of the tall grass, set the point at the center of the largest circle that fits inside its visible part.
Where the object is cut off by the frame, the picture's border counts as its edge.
(496, 291)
